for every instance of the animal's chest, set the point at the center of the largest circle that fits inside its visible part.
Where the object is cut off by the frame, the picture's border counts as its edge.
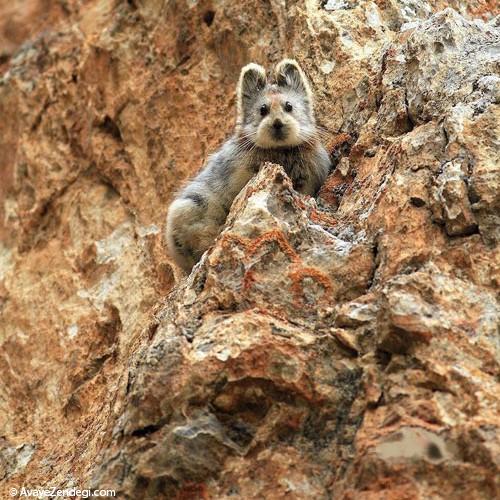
(292, 162)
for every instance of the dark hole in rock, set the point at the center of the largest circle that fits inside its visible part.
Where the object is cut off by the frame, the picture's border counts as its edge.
(242, 407)
(473, 196)
(152, 329)
(438, 47)
(111, 128)
(146, 430)
(279, 178)
(208, 17)
(240, 433)
(417, 202)
(434, 452)
(383, 358)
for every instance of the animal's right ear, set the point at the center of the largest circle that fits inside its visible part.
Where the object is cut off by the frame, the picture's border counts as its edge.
(289, 74)
(252, 81)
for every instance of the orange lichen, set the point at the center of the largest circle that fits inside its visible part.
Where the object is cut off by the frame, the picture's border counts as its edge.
(322, 218)
(485, 9)
(298, 273)
(297, 276)
(334, 185)
(336, 141)
(227, 239)
(279, 238)
(300, 203)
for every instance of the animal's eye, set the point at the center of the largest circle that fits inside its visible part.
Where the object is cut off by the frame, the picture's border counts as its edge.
(264, 110)
(288, 107)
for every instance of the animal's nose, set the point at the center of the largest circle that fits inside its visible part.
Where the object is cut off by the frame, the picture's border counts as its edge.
(278, 124)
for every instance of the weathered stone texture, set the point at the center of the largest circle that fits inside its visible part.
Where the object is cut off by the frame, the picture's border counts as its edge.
(343, 347)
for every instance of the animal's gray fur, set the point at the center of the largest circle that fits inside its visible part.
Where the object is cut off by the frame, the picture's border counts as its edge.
(199, 211)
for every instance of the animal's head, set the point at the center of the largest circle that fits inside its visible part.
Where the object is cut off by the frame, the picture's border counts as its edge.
(276, 113)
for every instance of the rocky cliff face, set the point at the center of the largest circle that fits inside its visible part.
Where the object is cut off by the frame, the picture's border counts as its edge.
(344, 347)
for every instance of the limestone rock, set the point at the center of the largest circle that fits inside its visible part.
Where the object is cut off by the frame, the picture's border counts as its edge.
(452, 199)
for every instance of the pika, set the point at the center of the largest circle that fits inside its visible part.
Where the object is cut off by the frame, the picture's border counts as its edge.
(275, 123)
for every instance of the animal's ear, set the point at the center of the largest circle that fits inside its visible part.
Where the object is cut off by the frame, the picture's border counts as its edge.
(288, 73)
(252, 81)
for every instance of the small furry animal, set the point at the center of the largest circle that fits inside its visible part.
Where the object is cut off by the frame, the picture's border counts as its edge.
(275, 123)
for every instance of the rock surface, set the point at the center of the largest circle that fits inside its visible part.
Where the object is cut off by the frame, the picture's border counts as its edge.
(344, 347)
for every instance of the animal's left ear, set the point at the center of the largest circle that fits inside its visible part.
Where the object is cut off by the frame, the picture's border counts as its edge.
(251, 83)
(288, 73)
